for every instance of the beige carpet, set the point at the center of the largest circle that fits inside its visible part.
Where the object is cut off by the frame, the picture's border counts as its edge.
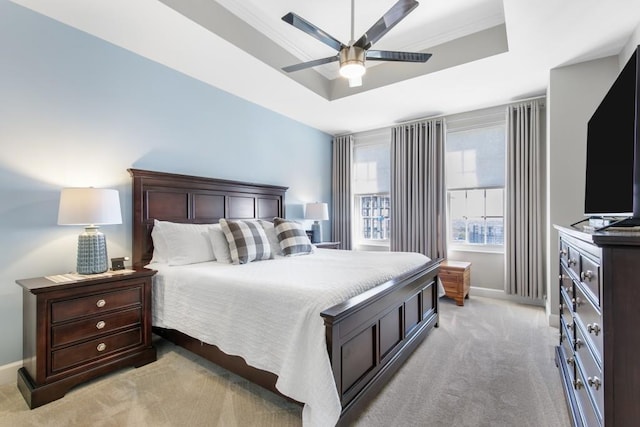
(490, 363)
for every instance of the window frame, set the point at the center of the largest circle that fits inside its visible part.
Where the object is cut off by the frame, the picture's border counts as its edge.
(490, 118)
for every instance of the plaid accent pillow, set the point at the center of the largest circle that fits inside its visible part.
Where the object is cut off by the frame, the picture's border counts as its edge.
(247, 241)
(292, 237)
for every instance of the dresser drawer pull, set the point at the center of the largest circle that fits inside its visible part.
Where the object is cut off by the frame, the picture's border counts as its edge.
(567, 289)
(570, 360)
(579, 343)
(577, 301)
(588, 275)
(594, 328)
(571, 262)
(101, 347)
(100, 324)
(101, 303)
(563, 252)
(578, 384)
(594, 382)
(570, 326)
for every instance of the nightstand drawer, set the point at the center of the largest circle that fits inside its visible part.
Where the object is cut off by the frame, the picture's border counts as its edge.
(82, 353)
(99, 325)
(450, 277)
(96, 303)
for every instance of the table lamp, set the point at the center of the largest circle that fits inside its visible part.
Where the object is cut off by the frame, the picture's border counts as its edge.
(90, 207)
(318, 212)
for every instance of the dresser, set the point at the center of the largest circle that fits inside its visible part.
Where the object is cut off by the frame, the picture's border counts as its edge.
(75, 329)
(598, 354)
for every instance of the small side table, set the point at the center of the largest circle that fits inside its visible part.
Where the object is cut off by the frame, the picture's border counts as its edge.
(327, 245)
(456, 279)
(78, 328)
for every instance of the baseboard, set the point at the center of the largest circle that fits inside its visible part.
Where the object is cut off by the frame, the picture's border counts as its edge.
(8, 373)
(554, 320)
(500, 294)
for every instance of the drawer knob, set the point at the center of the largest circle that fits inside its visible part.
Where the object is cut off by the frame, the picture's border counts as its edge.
(586, 275)
(569, 326)
(579, 343)
(571, 262)
(100, 324)
(101, 347)
(593, 328)
(578, 383)
(577, 301)
(101, 303)
(563, 252)
(594, 382)
(570, 360)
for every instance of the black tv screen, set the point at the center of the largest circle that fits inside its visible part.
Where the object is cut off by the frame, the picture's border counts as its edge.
(611, 145)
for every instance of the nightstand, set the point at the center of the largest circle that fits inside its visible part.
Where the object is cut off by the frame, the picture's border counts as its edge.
(327, 245)
(456, 279)
(78, 328)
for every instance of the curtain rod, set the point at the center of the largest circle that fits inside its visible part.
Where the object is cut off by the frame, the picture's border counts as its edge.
(446, 115)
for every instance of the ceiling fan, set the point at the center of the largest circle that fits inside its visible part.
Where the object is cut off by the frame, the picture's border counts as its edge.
(352, 56)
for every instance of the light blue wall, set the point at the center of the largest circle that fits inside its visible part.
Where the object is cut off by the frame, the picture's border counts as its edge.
(77, 111)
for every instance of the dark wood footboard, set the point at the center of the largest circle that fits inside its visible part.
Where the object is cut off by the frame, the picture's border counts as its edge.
(371, 335)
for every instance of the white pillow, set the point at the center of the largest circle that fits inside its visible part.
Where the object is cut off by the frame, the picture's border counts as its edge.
(159, 246)
(220, 244)
(182, 244)
(270, 230)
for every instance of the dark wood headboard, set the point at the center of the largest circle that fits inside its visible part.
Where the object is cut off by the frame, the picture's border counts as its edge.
(197, 200)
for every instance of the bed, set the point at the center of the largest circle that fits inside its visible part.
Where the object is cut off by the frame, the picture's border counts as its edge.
(364, 337)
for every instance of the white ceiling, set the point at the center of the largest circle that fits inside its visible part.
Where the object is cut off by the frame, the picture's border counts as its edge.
(486, 52)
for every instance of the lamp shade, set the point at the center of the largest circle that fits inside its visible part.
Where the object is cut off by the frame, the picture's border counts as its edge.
(316, 211)
(82, 206)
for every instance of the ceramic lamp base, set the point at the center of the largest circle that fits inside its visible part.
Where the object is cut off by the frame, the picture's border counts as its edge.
(317, 232)
(92, 252)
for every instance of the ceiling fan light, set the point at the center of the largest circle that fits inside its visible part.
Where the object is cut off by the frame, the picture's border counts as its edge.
(352, 62)
(352, 71)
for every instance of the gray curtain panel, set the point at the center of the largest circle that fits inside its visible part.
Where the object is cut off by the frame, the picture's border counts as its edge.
(341, 191)
(524, 233)
(418, 192)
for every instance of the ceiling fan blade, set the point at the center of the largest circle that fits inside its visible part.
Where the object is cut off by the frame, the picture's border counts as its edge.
(394, 15)
(385, 55)
(309, 64)
(312, 30)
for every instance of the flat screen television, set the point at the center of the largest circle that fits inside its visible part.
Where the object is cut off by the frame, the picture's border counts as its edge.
(612, 189)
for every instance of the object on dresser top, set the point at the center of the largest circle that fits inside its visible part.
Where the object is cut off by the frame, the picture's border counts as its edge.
(80, 329)
(456, 279)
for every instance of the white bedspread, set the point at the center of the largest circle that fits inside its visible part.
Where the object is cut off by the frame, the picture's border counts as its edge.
(275, 301)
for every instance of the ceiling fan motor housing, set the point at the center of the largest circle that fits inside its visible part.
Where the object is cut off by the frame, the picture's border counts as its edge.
(352, 61)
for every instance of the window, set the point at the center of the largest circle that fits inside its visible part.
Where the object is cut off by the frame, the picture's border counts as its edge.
(371, 183)
(475, 168)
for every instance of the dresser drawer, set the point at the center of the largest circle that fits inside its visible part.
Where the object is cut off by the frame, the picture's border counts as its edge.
(588, 412)
(592, 373)
(91, 350)
(573, 260)
(564, 252)
(83, 329)
(590, 319)
(590, 278)
(96, 303)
